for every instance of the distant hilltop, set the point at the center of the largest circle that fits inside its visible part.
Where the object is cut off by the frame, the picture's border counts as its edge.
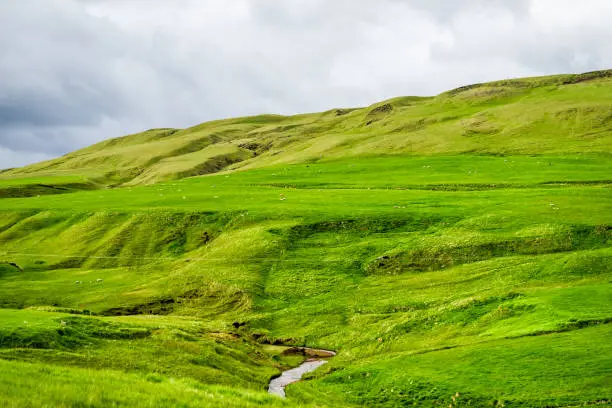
(540, 115)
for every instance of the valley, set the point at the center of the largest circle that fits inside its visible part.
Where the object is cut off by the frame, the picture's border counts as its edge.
(453, 250)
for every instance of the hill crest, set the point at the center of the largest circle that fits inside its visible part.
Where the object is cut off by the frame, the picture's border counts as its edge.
(538, 115)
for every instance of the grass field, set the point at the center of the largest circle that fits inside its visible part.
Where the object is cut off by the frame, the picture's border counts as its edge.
(451, 260)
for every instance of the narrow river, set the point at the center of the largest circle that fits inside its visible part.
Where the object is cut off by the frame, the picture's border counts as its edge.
(277, 385)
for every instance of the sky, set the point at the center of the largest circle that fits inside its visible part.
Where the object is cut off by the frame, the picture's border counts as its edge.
(74, 72)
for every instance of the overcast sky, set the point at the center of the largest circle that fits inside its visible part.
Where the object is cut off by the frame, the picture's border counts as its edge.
(74, 72)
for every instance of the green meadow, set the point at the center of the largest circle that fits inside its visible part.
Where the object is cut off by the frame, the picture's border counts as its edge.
(454, 250)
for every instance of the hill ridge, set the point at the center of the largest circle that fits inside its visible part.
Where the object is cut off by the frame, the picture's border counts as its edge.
(533, 115)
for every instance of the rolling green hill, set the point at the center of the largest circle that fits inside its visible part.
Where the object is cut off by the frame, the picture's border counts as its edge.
(454, 250)
(544, 115)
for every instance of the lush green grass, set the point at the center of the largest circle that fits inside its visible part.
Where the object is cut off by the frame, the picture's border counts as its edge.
(454, 255)
(55, 180)
(43, 185)
(438, 172)
(394, 258)
(43, 385)
(556, 370)
(150, 346)
(328, 190)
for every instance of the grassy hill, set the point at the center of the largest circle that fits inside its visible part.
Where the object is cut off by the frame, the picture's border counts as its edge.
(454, 250)
(546, 115)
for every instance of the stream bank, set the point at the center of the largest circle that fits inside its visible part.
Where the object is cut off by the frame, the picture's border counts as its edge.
(315, 360)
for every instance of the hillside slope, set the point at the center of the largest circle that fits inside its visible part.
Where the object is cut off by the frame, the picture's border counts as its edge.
(462, 260)
(543, 115)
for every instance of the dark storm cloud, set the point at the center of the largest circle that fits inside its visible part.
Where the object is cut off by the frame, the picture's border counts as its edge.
(73, 105)
(73, 72)
(54, 62)
(57, 84)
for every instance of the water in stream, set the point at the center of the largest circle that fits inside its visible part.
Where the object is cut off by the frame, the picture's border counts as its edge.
(277, 385)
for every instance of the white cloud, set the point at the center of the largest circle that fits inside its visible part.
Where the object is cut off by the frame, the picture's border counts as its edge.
(78, 71)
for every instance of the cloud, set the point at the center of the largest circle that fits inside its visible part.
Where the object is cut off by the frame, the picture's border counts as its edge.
(78, 71)
(11, 158)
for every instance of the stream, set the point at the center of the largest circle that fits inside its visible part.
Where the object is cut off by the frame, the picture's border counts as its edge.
(277, 385)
